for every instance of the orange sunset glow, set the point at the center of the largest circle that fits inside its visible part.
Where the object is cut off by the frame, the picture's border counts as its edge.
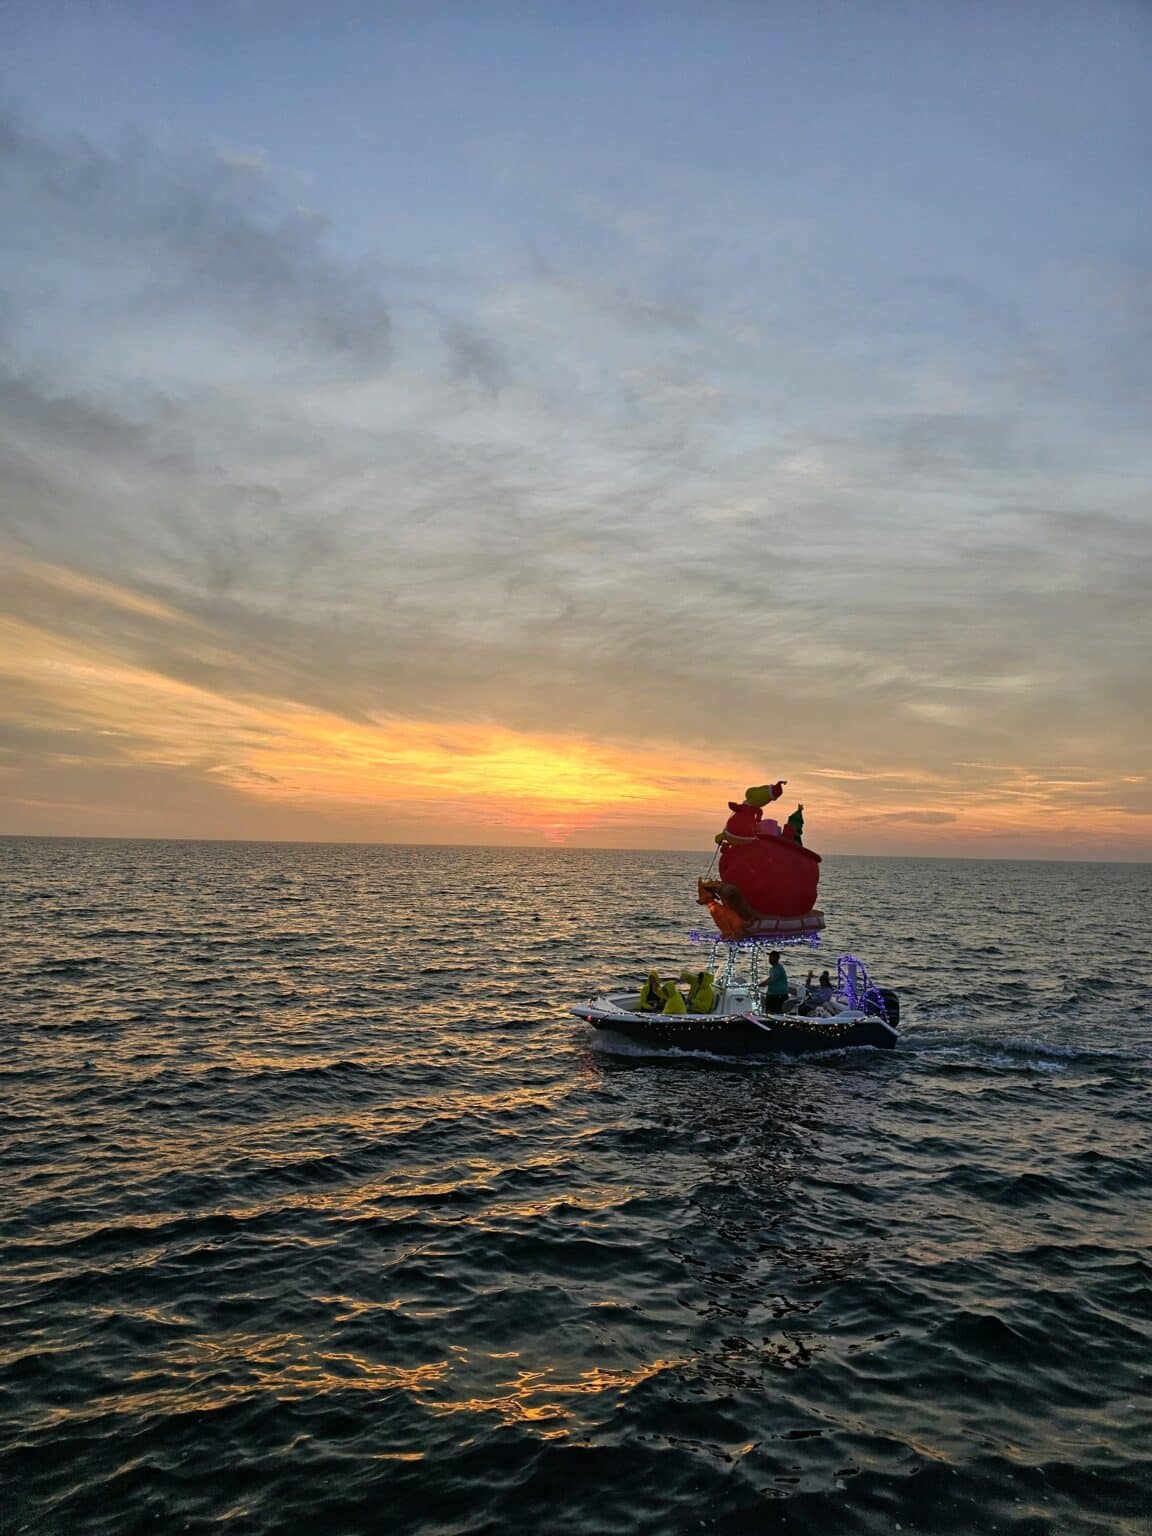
(280, 763)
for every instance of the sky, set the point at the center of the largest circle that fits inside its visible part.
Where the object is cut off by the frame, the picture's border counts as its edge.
(535, 424)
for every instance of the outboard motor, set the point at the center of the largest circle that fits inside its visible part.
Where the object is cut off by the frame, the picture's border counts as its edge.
(891, 1001)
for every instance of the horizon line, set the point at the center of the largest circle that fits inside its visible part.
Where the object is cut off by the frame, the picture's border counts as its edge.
(311, 842)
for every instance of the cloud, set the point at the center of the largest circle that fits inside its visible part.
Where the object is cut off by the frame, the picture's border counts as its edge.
(945, 445)
(475, 358)
(920, 818)
(108, 715)
(170, 245)
(576, 499)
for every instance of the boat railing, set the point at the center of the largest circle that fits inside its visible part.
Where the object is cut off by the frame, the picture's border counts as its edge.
(857, 988)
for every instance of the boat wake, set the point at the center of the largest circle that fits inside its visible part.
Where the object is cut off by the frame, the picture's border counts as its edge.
(1020, 1053)
(607, 1043)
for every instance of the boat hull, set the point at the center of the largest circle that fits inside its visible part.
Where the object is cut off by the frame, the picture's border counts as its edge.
(742, 1034)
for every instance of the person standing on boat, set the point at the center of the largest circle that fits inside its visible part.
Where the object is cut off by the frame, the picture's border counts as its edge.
(776, 987)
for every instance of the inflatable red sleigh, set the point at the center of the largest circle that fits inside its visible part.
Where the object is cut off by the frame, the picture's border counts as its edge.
(768, 881)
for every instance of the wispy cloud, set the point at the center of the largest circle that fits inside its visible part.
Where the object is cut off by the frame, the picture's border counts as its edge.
(609, 494)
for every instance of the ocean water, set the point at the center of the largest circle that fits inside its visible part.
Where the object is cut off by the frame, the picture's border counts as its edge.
(320, 1213)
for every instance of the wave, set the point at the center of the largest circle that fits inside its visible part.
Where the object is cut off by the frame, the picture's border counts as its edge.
(331, 1228)
(1019, 1051)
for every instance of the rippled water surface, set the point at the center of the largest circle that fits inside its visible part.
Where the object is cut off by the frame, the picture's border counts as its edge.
(319, 1212)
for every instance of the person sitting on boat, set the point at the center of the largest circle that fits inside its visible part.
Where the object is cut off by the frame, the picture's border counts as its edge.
(823, 992)
(776, 987)
(674, 999)
(651, 995)
(701, 991)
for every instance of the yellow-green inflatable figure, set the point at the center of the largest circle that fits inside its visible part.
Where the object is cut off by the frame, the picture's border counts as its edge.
(702, 993)
(651, 995)
(673, 1000)
(743, 824)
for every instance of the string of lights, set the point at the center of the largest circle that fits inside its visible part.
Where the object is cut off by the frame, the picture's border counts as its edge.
(742, 1030)
(757, 941)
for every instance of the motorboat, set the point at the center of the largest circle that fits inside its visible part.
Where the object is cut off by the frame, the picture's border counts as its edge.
(763, 901)
(857, 1014)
